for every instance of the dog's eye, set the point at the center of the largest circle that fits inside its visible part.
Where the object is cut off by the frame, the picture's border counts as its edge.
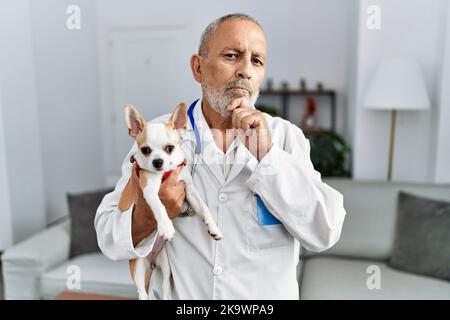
(146, 151)
(169, 148)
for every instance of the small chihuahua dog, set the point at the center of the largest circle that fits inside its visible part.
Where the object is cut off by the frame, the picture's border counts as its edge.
(158, 153)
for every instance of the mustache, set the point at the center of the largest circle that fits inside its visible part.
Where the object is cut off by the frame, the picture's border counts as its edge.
(240, 83)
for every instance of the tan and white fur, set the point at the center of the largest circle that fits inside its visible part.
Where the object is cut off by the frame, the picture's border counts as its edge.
(158, 151)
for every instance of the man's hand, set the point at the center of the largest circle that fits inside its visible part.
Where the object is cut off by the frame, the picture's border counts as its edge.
(171, 193)
(254, 126)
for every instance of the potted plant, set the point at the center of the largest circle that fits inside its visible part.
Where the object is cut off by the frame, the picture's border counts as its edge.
(329, 153)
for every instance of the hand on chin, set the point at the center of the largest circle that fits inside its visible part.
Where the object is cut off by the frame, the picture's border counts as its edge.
(253, 123)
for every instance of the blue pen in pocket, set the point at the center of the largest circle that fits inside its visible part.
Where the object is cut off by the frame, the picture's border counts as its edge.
(265, 218)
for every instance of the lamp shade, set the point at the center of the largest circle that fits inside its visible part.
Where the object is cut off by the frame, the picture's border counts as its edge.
(397, 84)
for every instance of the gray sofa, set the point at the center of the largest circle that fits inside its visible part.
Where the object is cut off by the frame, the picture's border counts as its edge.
(38, 268)
(367, 240)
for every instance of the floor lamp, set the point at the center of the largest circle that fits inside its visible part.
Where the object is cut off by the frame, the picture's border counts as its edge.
(397, 84)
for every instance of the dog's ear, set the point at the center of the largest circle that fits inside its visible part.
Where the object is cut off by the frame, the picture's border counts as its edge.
(178, 119)
(135, 121)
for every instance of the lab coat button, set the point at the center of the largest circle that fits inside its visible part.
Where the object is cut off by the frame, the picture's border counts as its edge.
(223, 197)
(217, 270)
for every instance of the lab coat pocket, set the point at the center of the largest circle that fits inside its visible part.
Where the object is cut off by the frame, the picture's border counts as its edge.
(264, 231)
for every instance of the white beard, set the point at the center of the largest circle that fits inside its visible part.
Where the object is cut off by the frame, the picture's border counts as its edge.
(219, 99)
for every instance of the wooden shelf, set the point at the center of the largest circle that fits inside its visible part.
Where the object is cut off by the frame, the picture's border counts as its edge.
(299, 92)
(286, 94)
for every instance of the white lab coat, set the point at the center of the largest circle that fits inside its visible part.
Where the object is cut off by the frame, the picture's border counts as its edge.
(252, 261)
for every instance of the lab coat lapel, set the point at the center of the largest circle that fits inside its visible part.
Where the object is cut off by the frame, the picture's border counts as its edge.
(243, 159)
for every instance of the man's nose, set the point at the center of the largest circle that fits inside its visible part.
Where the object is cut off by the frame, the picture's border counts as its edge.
(244, 70)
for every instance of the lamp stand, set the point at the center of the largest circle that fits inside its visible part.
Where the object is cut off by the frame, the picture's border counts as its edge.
(391, 144)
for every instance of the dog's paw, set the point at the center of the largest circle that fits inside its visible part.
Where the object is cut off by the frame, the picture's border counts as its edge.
(216, 235)
(213, 230)
(166, 230)
(143, 295)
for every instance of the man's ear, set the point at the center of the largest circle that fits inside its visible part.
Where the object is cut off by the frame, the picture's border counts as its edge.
(178, 119)
(135, 121)
(196, 67)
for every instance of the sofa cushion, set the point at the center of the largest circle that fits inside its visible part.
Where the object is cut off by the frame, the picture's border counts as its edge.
(82, 209)
(422, 243)
(344, 279)
(24, 262)
(98, 275)
(371, 206)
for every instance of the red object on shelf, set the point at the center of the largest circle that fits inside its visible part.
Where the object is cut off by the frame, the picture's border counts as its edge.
(309, 117)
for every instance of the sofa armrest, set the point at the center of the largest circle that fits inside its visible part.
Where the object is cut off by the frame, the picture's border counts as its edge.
(24, 263)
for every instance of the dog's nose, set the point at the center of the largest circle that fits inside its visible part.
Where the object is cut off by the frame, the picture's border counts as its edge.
(157, 163)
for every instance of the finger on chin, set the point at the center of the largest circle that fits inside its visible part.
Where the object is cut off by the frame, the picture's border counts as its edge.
(233, 105)
(237, 103)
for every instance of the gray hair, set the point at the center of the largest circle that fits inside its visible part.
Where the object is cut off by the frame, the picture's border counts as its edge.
(211, 28)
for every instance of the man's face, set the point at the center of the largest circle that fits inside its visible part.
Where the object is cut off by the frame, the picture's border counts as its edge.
(234, 66)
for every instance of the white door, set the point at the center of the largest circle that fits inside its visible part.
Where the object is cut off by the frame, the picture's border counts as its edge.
(145, 68)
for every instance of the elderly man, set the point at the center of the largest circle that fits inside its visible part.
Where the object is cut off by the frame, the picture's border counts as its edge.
(265, 196)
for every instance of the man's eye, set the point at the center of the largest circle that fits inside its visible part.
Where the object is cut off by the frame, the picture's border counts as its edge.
(146, 151)
(231, 55)
(258, 62)
(169, 148)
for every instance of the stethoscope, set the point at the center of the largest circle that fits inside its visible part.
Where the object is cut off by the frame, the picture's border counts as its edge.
(197, 151)
(198, 141)
(198, 148)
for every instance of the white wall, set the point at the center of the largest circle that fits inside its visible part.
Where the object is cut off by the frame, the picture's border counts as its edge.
(442, 172)
(5, 208)
(413, 29)
(309, 39)
(68, 98)
(54, 80)
(21, 120)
